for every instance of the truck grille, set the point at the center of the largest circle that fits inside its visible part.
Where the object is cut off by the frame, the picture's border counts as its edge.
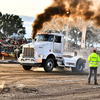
(28, 52)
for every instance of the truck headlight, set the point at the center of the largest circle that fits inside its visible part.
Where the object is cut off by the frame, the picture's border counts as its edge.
(41, 56)
(21, 55)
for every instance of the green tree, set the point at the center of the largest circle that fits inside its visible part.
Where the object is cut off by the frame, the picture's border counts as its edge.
(75, 35)
(89, 38)
(92, 36)
(11, 24)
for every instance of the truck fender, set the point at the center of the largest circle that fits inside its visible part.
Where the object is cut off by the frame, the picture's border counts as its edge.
(79, 58)
(52, 57)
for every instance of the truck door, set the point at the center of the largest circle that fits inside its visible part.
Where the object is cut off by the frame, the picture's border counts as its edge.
(57, 44)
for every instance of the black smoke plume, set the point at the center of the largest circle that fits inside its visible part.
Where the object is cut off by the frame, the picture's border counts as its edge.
(67, 8)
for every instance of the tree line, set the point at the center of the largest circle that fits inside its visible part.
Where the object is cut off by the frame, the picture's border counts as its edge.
(10, 24)
(92, 36)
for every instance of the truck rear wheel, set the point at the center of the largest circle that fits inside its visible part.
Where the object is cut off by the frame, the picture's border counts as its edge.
(79, 66)
(48, 65)
(27, 67)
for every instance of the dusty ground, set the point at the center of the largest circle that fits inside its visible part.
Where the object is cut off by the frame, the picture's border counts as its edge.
(36, 84)
(18, 84)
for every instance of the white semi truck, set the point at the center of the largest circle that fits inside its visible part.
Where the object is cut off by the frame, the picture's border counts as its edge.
(48, 52)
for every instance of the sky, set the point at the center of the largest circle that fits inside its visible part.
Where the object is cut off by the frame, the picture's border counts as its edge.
(26, 9)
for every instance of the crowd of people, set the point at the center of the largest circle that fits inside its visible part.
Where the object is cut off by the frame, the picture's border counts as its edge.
(10, 44)
(14, 41)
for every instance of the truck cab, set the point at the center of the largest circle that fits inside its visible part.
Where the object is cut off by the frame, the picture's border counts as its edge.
(46, 52)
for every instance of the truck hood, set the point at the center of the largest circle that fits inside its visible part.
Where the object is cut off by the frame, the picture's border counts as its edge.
(35, 44)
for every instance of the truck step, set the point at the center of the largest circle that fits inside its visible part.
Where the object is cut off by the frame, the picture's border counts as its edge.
(59, 59)
(61, 66)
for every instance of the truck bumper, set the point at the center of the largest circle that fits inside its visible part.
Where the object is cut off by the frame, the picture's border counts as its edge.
(32, 64)
(30, 61)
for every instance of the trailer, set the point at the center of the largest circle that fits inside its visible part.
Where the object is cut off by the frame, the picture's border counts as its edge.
(48, 52)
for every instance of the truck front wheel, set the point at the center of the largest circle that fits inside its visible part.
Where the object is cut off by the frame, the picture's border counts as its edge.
(48, 65)
(27, 67)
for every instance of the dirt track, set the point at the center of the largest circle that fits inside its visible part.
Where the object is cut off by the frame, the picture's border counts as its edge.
(18, 84)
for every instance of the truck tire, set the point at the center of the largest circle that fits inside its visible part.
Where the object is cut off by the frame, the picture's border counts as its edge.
(79, 66)
(27, 67)
(48, 65)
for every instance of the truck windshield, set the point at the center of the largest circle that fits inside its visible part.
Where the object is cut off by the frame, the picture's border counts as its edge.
(45, 37)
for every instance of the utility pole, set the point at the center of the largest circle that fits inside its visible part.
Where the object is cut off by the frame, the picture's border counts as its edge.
(65, 37)
(83, 36)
